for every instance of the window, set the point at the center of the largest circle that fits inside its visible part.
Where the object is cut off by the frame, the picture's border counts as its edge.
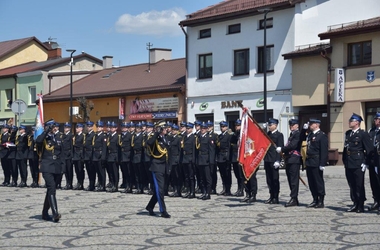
(9, 94)
(269, 23)
(32, 95)
(241, 62)
(205, 66)
(269, 59)
(360, 53)
(234, 28)
(258, 115)
(204, 33)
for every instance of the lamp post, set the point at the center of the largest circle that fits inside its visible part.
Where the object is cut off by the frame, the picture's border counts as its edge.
(265, 11)
(72, 51)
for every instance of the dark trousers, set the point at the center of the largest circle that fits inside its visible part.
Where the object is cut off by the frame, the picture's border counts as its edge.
(146, 174)
(79, 171)
(214, 176)
(225, 173)
(101, 172)
(273, 179)
(189, 172)
(68, 170)
(33, 164)
(14, 170)
(238, 174)
(293, 175)
(21, 165)
(374, 182)
(355, 179)
(139, 175)
(114, 172)
(6, 169)
(91, 172)
(198, 176)
(158, 191)
(251, 185)
(51, 181)
(316, 181)
(125, 168)
(206, 178)
(177, 176)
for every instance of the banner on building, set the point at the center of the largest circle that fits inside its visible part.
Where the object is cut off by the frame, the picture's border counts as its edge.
(154, 105)
(121, 108)
(137, 117)
(254, 144)
(339, 85)
(164, 115)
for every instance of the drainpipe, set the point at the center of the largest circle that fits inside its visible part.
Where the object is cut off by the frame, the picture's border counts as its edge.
(186, 58)
(324, 55)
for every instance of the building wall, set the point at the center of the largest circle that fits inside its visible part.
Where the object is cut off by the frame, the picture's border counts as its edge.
(314, 16)
(28, 53)
(5, 111)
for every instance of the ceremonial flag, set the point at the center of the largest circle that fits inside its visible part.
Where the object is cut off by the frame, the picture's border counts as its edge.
(39, 118)
(254, 144)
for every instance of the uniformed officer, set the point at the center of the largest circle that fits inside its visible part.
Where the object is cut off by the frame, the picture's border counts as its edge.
(272, 161)
(159, 167)
(316, 159)
(203, 145)
(12, 156)
(188, 160)
(373, 164)
(137, 147)
(67, 156)
(99, 155)
(235, 137)
(197, 132)
(125, 157)
(33, 158)
(175, 152)
(357, 145)
(78, 143)
(291, 152)
(4, 152)
(57, 133)
(88, 151)
(113, 148)
(214, 142)
(146, 157)
(223, 158)
(21, 155)
(51, 168)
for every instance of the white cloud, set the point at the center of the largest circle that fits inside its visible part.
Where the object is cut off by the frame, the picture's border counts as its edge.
(158, 23)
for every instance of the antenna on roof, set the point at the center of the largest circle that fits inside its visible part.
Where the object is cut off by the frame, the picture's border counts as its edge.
(50, 39)
(148, 45)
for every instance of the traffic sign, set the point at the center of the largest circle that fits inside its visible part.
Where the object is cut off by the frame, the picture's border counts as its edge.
(18, 107)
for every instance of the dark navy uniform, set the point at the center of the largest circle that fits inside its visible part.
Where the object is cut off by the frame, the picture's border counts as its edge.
(78, 158)
(373, 168)
(12, 157)
(99, 156)
(357, 145)
(214, 141)
(175, 153)
(88, 156)
(67, 157)
(188, 160)
(4, 152)
(21, 155)
(51, 168)
(203, 145)
(137, 147)
(272, 161)
(223, 159)
(113, 148)
(125, 158)
(33, 159)
(316, 160)
(159, 167)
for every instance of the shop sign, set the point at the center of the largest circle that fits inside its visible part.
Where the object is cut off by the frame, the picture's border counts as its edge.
(231, 104)
(260, 103)
(154, 105)
(164, 115)
(143, 116)
(203, 106)
(339, 85)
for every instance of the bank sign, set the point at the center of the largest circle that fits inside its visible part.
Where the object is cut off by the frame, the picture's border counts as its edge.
(339, 85)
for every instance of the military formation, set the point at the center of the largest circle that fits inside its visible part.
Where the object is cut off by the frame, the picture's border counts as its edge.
(165, 159)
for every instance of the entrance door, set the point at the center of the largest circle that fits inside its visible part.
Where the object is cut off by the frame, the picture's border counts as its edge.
(231, 117)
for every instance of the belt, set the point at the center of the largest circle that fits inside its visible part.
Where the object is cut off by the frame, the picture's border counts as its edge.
(187, 153)
(97, 149)
(55, 157)
(137, 151)
(354, 152)
(87, 149)
(109, 151)
(203, 153)
(312, 156)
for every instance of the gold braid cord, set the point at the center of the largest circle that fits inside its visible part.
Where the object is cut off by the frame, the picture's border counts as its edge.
(197, 144)
(29, 141)
(133, 140)
(17, 140)
(162, 151)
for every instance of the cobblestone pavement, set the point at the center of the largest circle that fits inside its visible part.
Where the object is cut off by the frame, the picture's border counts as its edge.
(119, 221)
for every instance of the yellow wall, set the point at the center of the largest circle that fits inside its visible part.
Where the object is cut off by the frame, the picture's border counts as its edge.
(30, 52)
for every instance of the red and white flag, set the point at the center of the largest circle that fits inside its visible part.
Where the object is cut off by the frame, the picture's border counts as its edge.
(254, 144)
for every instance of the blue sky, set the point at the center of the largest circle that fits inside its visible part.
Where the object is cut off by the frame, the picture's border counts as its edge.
(118, 28)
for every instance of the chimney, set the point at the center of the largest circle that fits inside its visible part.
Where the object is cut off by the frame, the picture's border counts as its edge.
(54, 53)
(157, 54)
(107, 62)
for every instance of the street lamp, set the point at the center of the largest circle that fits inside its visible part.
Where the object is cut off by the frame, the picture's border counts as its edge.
(265, 11)
(72, 51)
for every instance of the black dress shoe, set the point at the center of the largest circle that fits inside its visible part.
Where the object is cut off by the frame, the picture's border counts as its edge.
(150, 210)
(213, 191)
(191, 196)
(227, 193)
(374, 206)
(22, 185)
(12, 184)
(67, 187)
(201, 196)
(223, 192)
(123, 185)
(269, 201)
(186, 195)
(360, 209)
(206, 197)
(138, 191)
(292, 203)
(252, 199)
(100, 189)
(238, 193)
(109, 185)
(46, 216)
(89, 188)
(246, 198)
(274, 201)
(313, 204)
(165, 215)
(352, 209)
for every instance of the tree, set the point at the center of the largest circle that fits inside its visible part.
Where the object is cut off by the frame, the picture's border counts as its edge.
(85, 107)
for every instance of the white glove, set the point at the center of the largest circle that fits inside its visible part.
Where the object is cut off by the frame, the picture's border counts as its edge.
(376, 170)
(278, 149)
(364, 167)
(306, 126)
(265, 125)
(276, 165)
(321, 168)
